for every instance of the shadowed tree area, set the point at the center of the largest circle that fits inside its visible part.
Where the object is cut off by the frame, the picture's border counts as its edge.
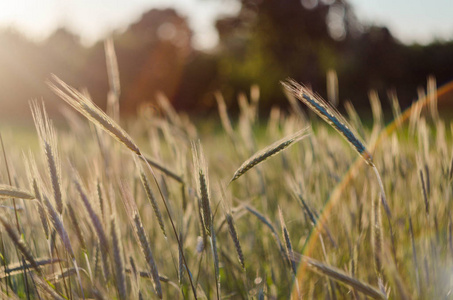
(272, 40)
(266, 42)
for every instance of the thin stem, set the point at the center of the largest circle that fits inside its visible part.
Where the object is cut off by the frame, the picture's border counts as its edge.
(16, 216)
(383, 197)
(172, 224)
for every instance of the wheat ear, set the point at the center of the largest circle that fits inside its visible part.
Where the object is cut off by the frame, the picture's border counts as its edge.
(226, 123)
(59, 228)
(234, 235)
(7, 191)
(93, 113)
(46, 287)
(340, 276)
(328, 114)
(152, 200)
(146, 249)
(20, 243)
(269, 151)
(80, 236)
(103, 241)
(141, 236)
(33, 178)
(201, 170)
(266, 222)
(288, 244)
(338, 122)
(112, 67)
(48, 140)
(118, 258)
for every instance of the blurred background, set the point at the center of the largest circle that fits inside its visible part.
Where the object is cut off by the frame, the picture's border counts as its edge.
(189, 49)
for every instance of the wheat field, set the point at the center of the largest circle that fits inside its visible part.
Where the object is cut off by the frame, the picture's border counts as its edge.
(263, 207)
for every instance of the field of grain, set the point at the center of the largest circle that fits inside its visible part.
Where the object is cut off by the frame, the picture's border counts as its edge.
(270, 207)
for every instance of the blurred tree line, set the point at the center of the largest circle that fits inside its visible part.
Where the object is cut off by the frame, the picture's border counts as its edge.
(266, 42)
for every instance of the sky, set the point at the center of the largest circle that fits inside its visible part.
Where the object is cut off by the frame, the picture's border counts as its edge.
(409, 20)
(421, 21)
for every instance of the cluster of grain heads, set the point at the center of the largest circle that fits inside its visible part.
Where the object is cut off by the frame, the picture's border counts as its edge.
(91, 241)
(87, 108)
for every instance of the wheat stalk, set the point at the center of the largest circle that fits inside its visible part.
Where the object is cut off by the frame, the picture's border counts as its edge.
(289, 246)
(146, 249)
(93, 113)
(118, 258)
(162, 168)
(112, 67)
(201, 170)
(77, 229)
(86, 107)
(18, 268)
(268, 152)
(340, 276)
(7, 191)
(103, 241)
(215, 256)
(41, 210)
(328, 114)
(46, 287)
(338, 122)
(234, 235)
(152, 200)
(48, 140)
(58, 226)
(141, 236)
(226, 123)
(60, 229)
(20, 243)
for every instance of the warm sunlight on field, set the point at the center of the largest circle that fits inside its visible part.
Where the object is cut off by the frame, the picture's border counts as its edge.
(306, 155)
(184, 215)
